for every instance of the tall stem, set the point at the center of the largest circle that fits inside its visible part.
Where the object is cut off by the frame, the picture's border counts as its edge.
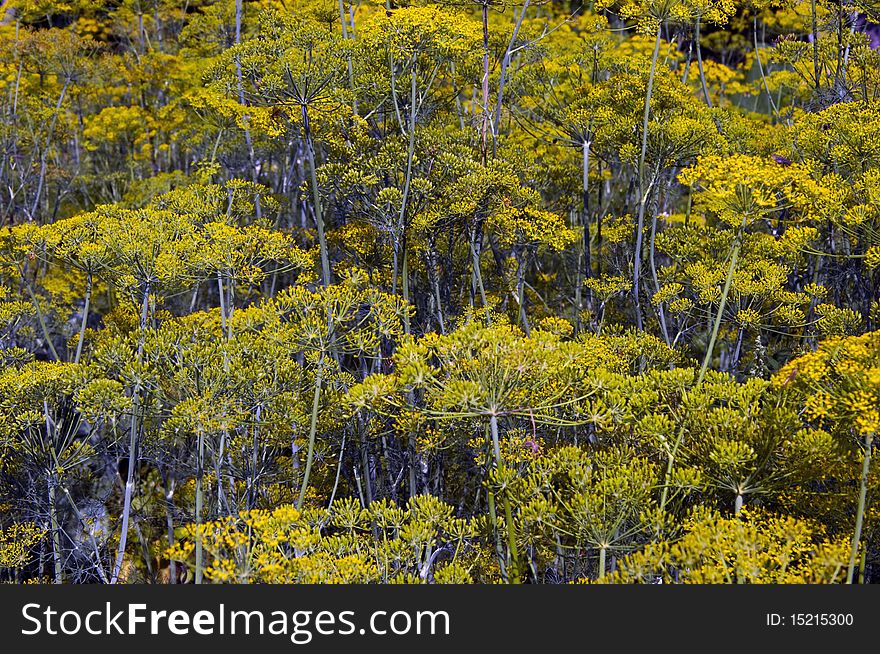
(664, 497)
(815, 34)
(484, 130)
(200, 473)
(85, 319)
(761, 71)
(499, 551)
(404, 271)
(344, 23)
(42, 321)
(222, 294)
(707, 359)
(45, 154)
(56, 536)
(520, 294)
(478, 277)
(643, 192)
(505, 63)
(313, 428)
(508, 512)
(700, 63)
(435, 285)
(661, 316)
(316, 197)
(585, 220)
(132, 443)
(169, 525)
(406, 186)
(249, 142)
(860, 511)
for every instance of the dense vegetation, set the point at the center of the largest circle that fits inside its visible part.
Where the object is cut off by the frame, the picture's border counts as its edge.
(476, 291)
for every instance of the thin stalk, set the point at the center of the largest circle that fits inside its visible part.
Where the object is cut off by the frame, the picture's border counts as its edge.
(132, 444)
(505, 63)
(513, 574)
(761, 70)
(222, 294)
(252, 479)
(585, 220)
(200, 473)
(643, 193)
(520, 295)
(85, 319)
(413, 488)
(700, 63)
(218, 458)
(98, 567)
(815, 34)
(56, 536)
(42, 321)
(313, 427)
(862, 560)
(249, 142)
(860, 510)
(478, 276)
(435, 284)
(508, 512)
(493, 522)
(652, 259)
(345, 37)
(338, 471)
(169, 525)
(484, 130)
(405, 286)
(706, 360)
(45, 153)
(406, 185)
(365, 464)
(316, 197)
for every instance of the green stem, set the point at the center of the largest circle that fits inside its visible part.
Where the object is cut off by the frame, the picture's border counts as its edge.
(200, 472)
(435, 284)
(344, 23)
(132, 442)
(707, 359)
(585, 220)
(511, 542)
(42, 321)
(316, 197)
(643, 193)
(860, 511)
(479, 279)
(761, 71)
(222, 303)
(85, 319)
(56, 536)
(520, 296)
(496, 444)
(410, 151)
(484, 130)
(815, 32)
(700, 64)
(313, 428)
(664, 497)
(493, 522)
(508, 512)
(862, 560)
(404, 271)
